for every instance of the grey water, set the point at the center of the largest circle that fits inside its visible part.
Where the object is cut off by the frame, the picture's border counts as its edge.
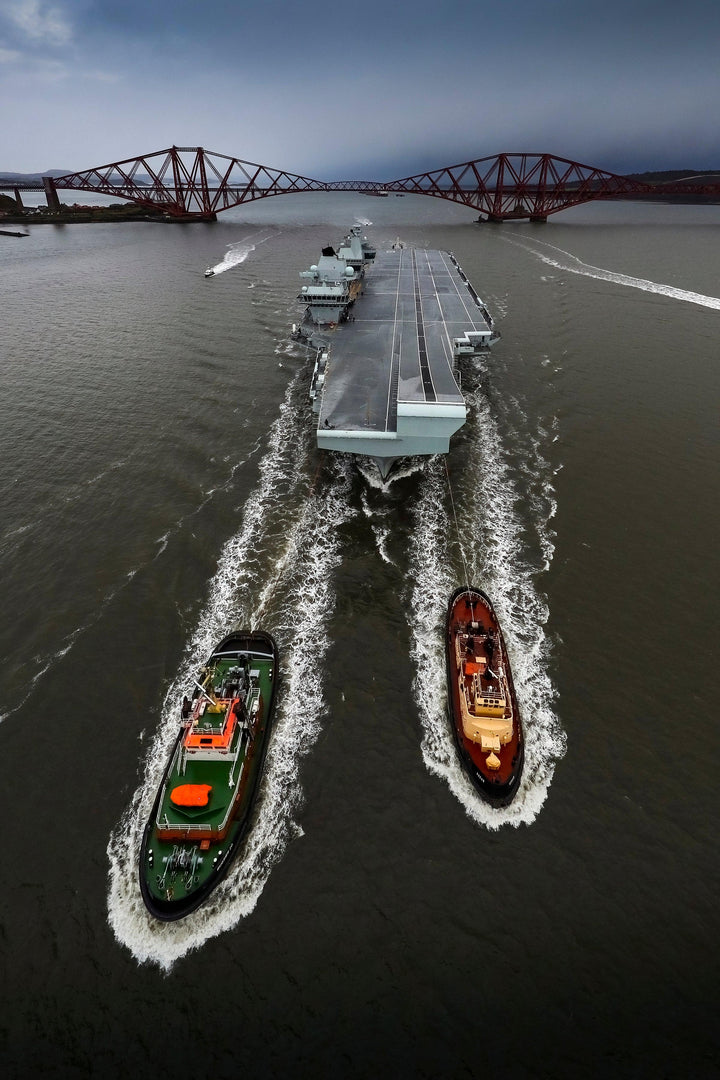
(159, 483)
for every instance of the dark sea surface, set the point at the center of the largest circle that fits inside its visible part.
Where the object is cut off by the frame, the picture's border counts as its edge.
(159, 484)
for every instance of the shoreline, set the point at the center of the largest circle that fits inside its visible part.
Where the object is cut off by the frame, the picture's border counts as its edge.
(88, 219)
(108, 216)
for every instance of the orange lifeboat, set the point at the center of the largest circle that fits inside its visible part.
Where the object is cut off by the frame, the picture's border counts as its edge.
(191, 795)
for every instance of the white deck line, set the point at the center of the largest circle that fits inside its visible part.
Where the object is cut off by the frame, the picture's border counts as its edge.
(448, 348)
(462, 295)
(416, 283)
(392, 346)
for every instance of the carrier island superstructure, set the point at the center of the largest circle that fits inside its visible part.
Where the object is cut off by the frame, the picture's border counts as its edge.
(388, 329)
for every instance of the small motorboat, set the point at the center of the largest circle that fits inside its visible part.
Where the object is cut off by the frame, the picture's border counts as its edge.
(209, 272)
(483, 707)
(203, 807)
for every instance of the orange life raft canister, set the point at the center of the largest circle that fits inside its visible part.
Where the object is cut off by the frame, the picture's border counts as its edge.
(191, 795)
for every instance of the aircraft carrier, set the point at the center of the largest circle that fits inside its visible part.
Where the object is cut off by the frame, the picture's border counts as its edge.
(385, 382)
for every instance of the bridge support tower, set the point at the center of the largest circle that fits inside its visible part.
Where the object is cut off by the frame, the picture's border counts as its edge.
(51, 194)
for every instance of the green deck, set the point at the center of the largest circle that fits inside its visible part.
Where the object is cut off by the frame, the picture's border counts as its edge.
(217, 774)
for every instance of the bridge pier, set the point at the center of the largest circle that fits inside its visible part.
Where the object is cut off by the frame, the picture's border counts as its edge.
(185, 219)
(51, 194)
(498, 219)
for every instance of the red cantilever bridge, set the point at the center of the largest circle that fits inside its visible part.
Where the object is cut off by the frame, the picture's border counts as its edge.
(191, 183)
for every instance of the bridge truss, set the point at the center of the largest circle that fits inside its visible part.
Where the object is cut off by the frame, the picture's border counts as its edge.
(510, 186)
(194, 183)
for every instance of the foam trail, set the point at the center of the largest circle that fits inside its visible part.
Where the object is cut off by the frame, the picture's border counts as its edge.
(300, 627)
(486, 505)
(371, 474)
(56, 502)
(114, 590)
(49, 661)
(236, 254)
(508, 570)
(574, 265)
(381, 532)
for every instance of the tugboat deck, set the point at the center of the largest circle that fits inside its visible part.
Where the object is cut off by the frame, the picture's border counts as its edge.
(397, 348)
(214, 773)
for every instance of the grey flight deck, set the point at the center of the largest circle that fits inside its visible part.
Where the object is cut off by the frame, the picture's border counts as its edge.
(397, 345)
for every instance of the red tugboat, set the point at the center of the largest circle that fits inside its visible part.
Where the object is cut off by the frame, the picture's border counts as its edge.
(483, 707)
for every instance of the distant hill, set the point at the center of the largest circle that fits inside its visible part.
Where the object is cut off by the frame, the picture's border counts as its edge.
(674, 174)
(658, 175)
(8, 178)
(31, 177)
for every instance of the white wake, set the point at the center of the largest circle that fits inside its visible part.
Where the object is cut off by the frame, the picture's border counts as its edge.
(563, 260)
(236, 254)
(490, 531)
(280, 506)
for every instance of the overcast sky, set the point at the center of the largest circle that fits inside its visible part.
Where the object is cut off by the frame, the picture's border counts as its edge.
(378, 89)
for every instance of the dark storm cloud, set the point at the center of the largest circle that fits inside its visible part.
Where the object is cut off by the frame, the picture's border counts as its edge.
(373, 90)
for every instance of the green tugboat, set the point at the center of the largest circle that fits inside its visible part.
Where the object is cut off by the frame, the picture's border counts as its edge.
(202, 809)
